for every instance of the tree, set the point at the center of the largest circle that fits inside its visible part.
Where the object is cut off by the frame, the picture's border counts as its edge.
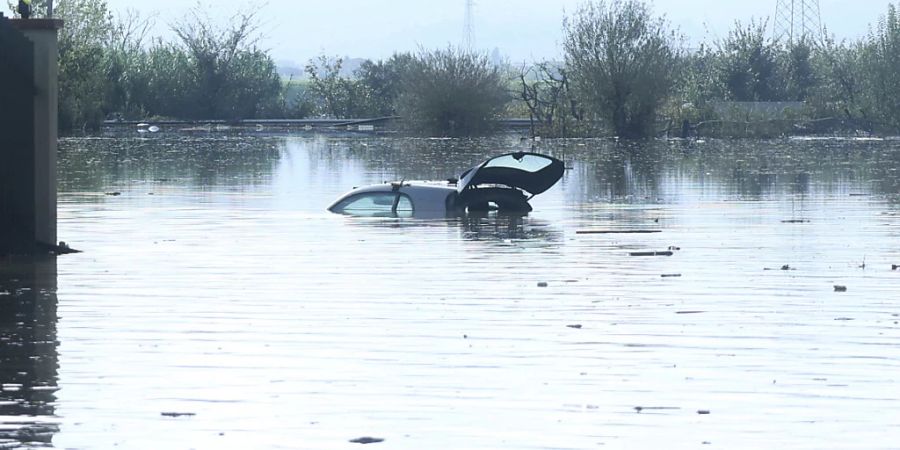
(748, 64)
(38, 8)
(82, 62)
(170, 83)
(384, 81)
(126, 89)
(801, 77)
(881, 64)
(233, 78)
(547, 94)
(622, 63)
(338, 96)
(452, 93)
(841, 85)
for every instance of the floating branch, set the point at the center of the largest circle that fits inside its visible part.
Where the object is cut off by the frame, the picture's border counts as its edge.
(651, 253)
(617, 231)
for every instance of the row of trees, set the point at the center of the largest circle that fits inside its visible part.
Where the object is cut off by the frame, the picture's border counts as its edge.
(623, 71)
(629, 72)
(109, 69)
(441, 92)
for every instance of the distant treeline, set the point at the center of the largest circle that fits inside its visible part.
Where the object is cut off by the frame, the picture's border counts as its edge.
(623, 71)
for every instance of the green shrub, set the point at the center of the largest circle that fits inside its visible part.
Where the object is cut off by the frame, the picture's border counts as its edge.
(881, 66)
(452, 92)
(622, 63)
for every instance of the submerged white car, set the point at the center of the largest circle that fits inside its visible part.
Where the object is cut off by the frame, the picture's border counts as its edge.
(505, 183)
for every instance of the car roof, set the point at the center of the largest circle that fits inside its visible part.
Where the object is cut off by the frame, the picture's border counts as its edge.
(425, 196)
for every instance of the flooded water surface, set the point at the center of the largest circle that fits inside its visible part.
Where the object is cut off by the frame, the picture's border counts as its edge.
(217, 304)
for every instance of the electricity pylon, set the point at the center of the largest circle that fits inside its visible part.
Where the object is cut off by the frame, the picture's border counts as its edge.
(469, 26)
(797, 21)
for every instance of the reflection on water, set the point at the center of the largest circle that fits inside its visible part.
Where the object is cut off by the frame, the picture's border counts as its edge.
(218, 305)
(28, 355)
(509, 228)
(496, 227)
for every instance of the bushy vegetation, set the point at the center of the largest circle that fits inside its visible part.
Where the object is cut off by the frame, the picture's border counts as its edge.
(612, 51)
(622, 63)
(880, 58)
(451, 93)
(447, 92)
(622, 71)
(108, 70)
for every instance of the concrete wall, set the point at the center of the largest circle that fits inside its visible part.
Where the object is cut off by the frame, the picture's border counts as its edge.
(17, 201)
(28, 152)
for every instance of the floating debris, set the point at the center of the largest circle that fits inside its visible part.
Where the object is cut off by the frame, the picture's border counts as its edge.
(843, 318)
(542, 284)
(177, 414)
(702, 411)
(113, 194)
(642, 408)
(673, 248)
(783, 267)
(617, 231)
(894, 267)
(796, 221)
(666, 253)
(366, 440)
(689, 312)
(839, 288)
(576, 326)
(670, 275)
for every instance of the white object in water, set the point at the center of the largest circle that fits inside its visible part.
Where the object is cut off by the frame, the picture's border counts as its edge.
(153, 128)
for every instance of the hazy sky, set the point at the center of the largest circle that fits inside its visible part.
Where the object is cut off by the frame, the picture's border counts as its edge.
(298, 30)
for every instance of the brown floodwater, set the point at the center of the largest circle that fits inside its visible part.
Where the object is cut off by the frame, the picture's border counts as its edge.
(217, 304)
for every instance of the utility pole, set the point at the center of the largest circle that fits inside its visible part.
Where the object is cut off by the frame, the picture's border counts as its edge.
(797, 21)
(468, 27)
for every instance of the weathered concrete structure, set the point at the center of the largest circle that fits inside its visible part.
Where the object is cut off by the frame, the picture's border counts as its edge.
(28, 133)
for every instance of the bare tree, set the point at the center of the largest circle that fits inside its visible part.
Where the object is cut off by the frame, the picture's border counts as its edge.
(547, 95)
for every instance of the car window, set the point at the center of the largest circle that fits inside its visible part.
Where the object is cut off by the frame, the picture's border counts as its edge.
(405, 204)
(528, 163)
(376, 203)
